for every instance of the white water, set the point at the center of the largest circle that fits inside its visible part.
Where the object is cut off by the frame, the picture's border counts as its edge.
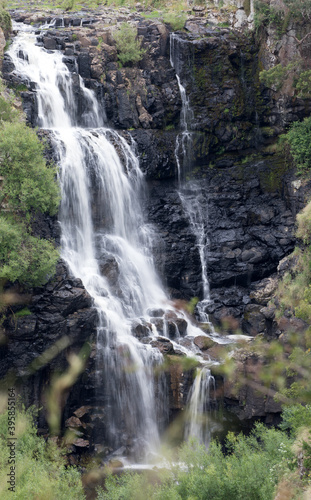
(183, 146)
(106, 243)
(102, 225)
(198, 421)
(191, 193)
(193, 199)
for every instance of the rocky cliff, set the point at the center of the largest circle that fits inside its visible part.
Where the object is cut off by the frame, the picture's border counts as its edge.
(249, 197)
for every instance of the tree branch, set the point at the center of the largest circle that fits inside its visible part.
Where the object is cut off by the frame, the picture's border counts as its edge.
(303, 39)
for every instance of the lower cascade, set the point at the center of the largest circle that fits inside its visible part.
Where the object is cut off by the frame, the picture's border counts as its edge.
(106, 243)
(201, 397)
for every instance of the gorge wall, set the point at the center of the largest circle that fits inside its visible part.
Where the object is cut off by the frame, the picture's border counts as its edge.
(250, 197)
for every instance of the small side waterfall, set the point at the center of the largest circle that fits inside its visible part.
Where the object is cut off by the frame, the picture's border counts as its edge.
(193, 198)
(191, 192)
(201, 396)
(183, 149)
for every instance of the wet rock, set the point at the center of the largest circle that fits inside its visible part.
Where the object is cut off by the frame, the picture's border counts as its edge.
(159, 324)
(203, 342)
(109, 268)
(81, 443)
(82, 411)
(156, 313)
(49, 43)
(140, 328)
(115, 464)
(182, 325)
(164, 345)
(74, 422)
(254, 321)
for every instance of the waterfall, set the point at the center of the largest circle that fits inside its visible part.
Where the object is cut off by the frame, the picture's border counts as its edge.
(199, 402)
(104, 241)
(183, 146)
(191, 192)
(193, 197)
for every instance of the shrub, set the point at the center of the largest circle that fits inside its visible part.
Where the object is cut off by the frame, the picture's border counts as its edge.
(303, 84)
(40, 468)
(128, 47)
(177, 22)
(23, 257)
(304, 224)
(68, 5)
(28, 182)
(266, 14)
(5, 21)
(250, 469)
(299, 8)
(299, 140)
(29, 186)
(295, 417)
(275, 77)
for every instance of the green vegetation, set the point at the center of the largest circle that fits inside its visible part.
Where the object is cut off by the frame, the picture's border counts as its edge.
(68, 5)
(298, 138)
(28, 187)
(303, 84)
(5, 20)
(299, 8)
(250, 469)
(275, 77)
(266, 14)
(41, 472)
(128, 47)
(25, 258)
(176, 21)
(28, 182)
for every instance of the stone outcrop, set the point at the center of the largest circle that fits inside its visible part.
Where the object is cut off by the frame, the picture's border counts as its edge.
(51, 322)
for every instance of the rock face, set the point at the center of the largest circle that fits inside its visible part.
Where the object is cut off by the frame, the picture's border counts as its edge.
(248, 202)
(54, 320)
(248, 401)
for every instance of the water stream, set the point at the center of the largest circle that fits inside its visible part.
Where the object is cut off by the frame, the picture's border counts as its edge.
(107, 244)
(104, 239)
(194, 201)
(192, 194)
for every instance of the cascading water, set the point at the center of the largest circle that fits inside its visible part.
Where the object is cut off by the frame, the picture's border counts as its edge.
(199, 402)
(192, 196)
(183, 149)
(103, 238)
(191, 192)
(106, 244)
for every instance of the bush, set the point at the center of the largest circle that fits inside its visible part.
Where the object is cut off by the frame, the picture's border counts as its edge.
(299, 8)
(275, 77)
(303, 84)
(5, 21)
(23, 257)
(299, 140)
(68, 5)
(28, 182)
(250, 470)
(128, 47)
(266, 14)
(295, 417)
(40, 468)
(304, 224)
(28, 186)
(177, 22)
